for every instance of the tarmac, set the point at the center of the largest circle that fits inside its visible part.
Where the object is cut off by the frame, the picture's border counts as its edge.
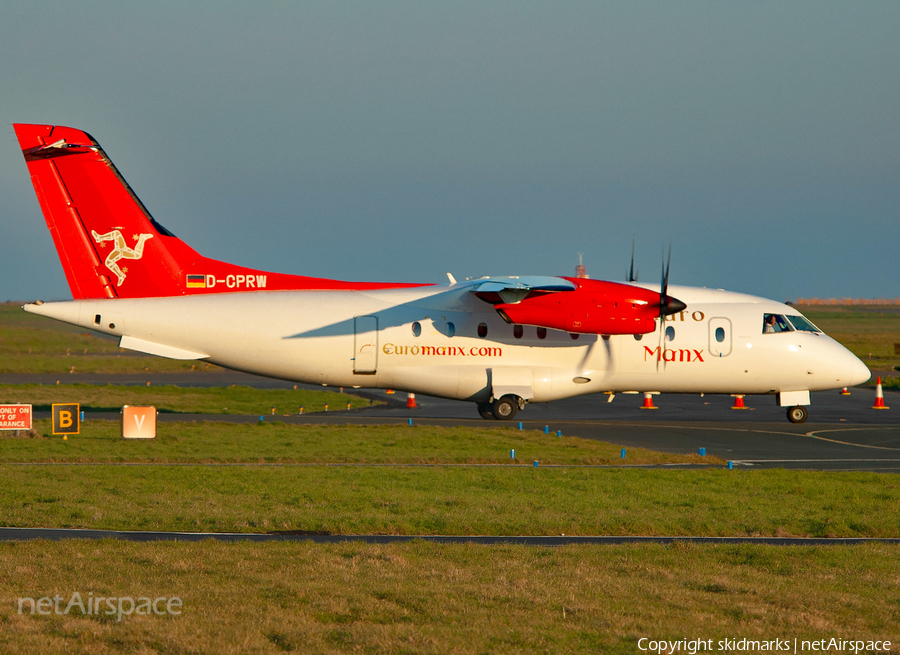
(57, 534)
(842, 433)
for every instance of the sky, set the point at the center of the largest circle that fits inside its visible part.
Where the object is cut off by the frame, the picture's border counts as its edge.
(397, 141)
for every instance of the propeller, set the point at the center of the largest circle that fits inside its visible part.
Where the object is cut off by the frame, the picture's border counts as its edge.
(667, 305)
(589, 352)
(632, 274)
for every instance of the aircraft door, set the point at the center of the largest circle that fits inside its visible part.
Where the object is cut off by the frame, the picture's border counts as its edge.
(365, 344)
(719, 337)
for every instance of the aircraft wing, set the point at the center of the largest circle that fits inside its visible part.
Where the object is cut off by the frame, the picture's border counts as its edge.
(514, 289)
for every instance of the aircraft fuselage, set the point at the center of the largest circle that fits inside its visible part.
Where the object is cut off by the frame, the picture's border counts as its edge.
(426, 340)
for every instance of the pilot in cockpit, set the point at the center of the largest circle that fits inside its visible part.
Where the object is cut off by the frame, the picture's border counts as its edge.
(774, 323)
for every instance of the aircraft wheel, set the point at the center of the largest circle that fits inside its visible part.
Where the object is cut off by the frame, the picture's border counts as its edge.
(505, 408)
(797, 414)
(485, 410)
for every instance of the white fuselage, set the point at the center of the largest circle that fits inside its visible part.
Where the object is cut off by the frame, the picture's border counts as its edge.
(368, 339)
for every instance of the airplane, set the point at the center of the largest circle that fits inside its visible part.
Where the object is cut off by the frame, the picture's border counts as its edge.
(499, 342)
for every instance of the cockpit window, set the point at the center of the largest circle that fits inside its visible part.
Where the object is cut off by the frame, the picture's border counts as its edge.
(801, 323)
(775, 323)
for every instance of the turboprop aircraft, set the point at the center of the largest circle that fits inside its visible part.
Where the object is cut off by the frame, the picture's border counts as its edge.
(500, 342)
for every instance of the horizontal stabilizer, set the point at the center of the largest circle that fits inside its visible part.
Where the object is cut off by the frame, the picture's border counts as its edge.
(159, 349)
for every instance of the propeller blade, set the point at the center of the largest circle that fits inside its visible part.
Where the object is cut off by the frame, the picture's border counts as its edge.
(662, 343)
(589, 351)
(632, 276)
(667, 305)
(664, 283)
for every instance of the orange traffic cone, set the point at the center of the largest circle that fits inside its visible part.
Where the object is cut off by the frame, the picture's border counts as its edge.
(879, 397)
(844, 392)
(411, 401)
(739, 402)
(648, 402)
(389, 391)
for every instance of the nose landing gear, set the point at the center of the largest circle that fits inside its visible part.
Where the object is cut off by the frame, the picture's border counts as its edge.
(797, 414)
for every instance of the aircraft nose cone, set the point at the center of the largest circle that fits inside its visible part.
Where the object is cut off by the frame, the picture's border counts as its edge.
(859, 372)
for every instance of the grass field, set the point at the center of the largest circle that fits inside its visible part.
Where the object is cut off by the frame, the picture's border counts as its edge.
(869, 332)
(890, 383)
(416, 597)
(184, 400)
(429, 598)
(274, 442)
(442, 498)
(451, 500)
(421, 597)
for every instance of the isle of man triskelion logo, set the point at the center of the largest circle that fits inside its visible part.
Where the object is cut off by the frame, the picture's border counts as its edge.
(121, 250)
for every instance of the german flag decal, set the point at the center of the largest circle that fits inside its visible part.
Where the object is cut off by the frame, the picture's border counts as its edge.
(196, 281)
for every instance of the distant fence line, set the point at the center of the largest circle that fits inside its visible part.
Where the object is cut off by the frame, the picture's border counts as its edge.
(848, 301)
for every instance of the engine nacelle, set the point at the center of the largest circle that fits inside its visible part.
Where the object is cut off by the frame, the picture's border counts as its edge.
(594, 307)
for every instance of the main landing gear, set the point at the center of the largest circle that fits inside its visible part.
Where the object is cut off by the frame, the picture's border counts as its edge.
(502, 409)
(505, 409)
(797, 414)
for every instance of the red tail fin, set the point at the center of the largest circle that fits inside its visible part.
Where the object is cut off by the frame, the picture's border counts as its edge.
(109, 244)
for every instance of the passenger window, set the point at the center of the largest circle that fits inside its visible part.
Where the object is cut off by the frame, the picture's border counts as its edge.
(720, 334)
(670, 333)
(451, 329)
(574, 335)
(773, 323)
(416, 329)
(518, 331)
(542, 333)
(482, 330)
